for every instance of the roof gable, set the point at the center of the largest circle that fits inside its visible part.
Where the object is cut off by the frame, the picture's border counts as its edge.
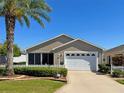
(76, 40)
(116, 49)
(65, 39)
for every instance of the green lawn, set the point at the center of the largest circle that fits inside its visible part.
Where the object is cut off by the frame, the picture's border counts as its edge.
(30, 86)
(120, 81)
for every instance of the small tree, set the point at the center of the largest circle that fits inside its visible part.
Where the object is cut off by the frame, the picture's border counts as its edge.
(16, 50)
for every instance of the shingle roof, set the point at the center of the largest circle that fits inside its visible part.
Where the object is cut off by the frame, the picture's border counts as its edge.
(78, 40)
(62, 35)
(116, 49)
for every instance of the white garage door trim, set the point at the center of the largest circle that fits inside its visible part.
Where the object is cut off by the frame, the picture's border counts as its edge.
(83, 52)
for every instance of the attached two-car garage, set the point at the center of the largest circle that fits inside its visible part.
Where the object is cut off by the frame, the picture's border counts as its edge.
(77, 60)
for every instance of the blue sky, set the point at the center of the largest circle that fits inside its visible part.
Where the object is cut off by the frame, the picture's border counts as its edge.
(98, 21)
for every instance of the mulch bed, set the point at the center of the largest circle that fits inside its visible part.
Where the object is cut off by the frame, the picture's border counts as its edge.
(25, 77)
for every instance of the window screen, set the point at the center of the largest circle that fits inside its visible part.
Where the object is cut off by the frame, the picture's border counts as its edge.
(31, 59)
(37, 58)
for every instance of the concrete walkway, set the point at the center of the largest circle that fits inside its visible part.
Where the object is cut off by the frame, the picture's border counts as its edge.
(89, 82)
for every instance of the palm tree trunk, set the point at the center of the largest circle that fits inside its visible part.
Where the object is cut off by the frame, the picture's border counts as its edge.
(10, 26)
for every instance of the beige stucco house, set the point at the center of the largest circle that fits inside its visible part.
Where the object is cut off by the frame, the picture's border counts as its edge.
(74, 54)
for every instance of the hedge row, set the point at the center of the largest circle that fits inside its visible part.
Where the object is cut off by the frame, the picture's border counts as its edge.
(39, 71)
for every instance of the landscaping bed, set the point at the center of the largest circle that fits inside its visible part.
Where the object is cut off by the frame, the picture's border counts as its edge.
(30, 86)
(121, 81)
(117, 74)
(25, 77)
(39, 71)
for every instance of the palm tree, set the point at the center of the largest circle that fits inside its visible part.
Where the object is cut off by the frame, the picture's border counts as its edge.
(22, 11)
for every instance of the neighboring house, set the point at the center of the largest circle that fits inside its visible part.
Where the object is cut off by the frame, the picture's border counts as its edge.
(74, 54)
(119, 50)
(16, 60)
(19, 59)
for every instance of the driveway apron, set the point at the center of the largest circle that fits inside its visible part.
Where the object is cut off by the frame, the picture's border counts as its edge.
(89, 82)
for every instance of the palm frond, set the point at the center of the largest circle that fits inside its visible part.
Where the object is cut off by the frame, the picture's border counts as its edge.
(26, 19)
(37, 18)
(2, 3)
(41, 13)
(23, 9)
(20, 21)
(40, 4)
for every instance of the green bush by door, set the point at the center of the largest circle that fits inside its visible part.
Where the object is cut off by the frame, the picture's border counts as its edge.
(104, 68)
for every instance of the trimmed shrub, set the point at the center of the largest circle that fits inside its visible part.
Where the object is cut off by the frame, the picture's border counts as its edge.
(103, 68)
(41, 71)
(118, 73)
(2, 71)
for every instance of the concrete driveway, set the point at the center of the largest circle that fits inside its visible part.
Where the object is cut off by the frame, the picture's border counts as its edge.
(89, 82)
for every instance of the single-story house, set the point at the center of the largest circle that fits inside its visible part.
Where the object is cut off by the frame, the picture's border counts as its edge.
(116, 51)
(73, 54)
